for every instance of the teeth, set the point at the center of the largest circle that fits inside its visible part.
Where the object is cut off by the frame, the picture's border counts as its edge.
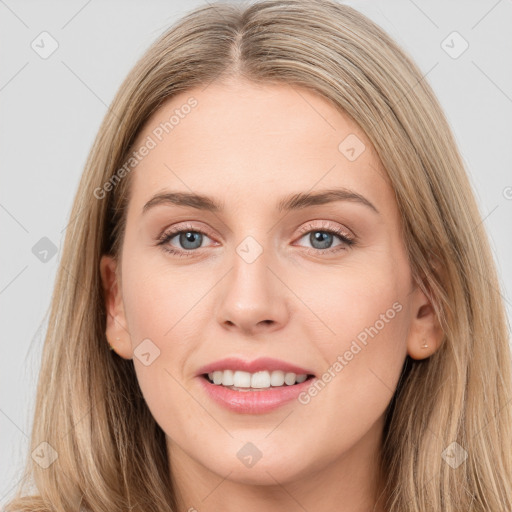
(277, 378)
(227, 378)
(258, 380)
(241, 380)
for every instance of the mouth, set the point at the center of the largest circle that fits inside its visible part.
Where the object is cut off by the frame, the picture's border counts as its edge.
(253, 387)
(258, 393)
(258, 381)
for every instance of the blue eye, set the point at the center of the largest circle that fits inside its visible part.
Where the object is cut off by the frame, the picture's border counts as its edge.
(320, 238)
(189, 239)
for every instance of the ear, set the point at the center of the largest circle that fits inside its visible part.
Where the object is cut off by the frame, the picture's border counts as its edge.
(116, 330)
(425, 333)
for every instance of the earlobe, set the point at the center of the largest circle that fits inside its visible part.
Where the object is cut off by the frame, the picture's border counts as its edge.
(425, 333)
(116, 330)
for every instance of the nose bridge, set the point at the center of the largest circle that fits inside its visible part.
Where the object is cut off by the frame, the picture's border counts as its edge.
(252, 297)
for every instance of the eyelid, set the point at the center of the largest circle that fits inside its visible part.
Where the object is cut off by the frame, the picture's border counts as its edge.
(329, 226)
(184, 226)
(187, 225)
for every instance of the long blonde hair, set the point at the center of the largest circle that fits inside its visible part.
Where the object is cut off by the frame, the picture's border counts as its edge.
(111, 454)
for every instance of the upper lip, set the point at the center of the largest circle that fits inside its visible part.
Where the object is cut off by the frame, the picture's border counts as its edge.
(260, 364)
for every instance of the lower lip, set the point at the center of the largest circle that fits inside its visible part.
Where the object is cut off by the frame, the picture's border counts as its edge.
(253, 402)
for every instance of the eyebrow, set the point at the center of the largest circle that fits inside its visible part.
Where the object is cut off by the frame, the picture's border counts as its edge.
(296, 201)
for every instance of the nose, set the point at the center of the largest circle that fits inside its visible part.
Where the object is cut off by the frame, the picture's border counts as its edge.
(252, 299)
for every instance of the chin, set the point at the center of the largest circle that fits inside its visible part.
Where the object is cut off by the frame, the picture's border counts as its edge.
(272, 469)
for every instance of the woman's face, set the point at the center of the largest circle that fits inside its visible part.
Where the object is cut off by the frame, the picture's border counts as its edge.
(290, 263)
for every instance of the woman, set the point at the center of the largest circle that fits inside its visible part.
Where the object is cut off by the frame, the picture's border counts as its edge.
(275, 234)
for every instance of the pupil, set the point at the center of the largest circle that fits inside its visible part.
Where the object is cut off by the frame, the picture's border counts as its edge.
(322, 237)
(188, 238)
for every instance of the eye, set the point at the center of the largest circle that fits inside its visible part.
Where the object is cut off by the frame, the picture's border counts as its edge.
(323, 237)
(188, 239)
(184, 239)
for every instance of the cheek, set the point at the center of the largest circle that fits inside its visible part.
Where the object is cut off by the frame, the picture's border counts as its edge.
(362, 334)
(157, 307)
(158, 298)
(363, 352)
(370, 316)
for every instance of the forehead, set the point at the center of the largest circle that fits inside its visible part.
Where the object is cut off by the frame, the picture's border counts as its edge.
(240, 139)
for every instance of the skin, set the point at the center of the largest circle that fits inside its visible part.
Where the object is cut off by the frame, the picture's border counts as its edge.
(248, 146)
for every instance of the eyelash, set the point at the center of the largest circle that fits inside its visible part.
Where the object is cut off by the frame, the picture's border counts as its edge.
(347, 242)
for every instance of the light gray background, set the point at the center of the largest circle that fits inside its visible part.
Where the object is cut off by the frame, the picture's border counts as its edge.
(52, 109)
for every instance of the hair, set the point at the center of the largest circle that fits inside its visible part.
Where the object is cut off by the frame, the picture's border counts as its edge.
(89, 407)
